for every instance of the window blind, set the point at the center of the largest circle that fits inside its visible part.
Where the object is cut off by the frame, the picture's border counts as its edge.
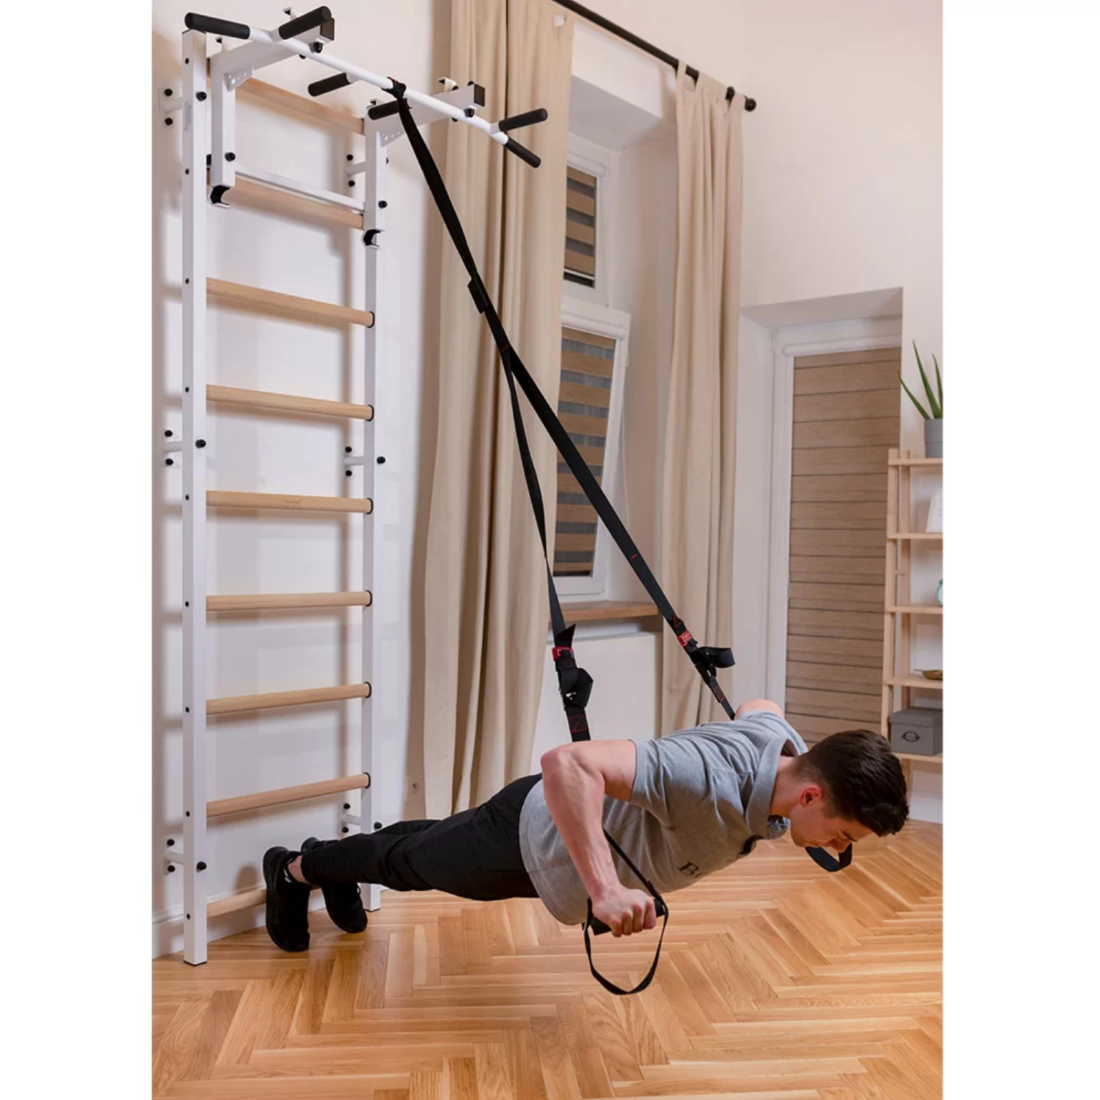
(584, 405)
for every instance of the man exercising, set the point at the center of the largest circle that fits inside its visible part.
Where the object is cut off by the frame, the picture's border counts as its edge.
(681, 807)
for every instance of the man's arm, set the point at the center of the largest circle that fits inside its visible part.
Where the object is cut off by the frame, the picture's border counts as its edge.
(758, 704)
(575, 778)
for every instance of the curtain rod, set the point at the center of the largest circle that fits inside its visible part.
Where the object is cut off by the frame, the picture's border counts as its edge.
(642, 44)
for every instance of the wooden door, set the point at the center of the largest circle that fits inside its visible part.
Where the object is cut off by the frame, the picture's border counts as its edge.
(846, 418)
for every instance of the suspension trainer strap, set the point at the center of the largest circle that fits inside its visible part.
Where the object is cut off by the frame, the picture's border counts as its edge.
(706, 659)
(575, 684)
(597, 927)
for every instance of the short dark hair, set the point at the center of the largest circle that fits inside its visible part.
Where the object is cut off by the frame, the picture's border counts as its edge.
(862, 779)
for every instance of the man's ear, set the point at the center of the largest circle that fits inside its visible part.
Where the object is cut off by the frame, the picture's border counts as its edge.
(810, 795)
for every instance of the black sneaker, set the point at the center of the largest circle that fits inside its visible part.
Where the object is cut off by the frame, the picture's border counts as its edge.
(287, 903)
(342, 899)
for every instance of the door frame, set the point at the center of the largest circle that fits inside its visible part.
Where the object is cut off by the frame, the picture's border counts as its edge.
(788, 344)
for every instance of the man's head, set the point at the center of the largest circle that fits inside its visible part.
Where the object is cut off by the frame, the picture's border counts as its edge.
(847, 787)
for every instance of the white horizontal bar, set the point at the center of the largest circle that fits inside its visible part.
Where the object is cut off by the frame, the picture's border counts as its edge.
(353, 460)
(431, 103)
(298, 188)
(170, 445)
(349, 819)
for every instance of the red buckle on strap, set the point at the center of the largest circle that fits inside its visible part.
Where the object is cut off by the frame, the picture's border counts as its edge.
(561, 649)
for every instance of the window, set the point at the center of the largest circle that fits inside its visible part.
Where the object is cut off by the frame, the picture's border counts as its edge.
(580, 228)
(590, 189)
(593, 363)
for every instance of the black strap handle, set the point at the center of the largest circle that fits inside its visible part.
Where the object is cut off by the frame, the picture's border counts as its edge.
(308, 22)
(522, 152)
(329, 84)
(598, 928)
(527, 118)
(207, 24)
(828, 862)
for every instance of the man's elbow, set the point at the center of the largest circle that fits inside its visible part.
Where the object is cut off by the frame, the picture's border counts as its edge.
(758, 704)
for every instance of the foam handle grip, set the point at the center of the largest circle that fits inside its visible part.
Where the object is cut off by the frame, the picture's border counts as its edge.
(209, 25)
(329, 84)
(522, 152)
(517, 122)
(598, 928)
(308, 22)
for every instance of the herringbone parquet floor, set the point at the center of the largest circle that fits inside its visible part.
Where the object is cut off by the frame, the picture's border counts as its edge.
(776, 982)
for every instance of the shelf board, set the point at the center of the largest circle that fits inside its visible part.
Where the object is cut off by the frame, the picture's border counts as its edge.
(915, 682)
(930, 536)
(916, 609)
(916, 461)
(587, 611)
(919, 758)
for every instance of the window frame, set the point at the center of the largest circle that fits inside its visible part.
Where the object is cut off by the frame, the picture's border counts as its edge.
(586, 315)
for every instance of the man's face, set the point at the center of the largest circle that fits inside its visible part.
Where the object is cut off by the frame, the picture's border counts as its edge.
(813, 827)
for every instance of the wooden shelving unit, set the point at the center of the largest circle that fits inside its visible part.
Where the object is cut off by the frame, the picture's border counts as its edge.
(899, 680)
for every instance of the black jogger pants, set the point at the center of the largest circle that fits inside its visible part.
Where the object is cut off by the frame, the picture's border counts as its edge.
(473, 854)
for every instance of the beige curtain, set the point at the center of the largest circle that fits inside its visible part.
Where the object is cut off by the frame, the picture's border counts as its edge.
(697, 534)
(486, 611)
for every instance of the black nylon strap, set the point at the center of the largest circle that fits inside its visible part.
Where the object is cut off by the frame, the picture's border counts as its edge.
(705, 659)
(574, 683)
(662, 909)
(828, 862)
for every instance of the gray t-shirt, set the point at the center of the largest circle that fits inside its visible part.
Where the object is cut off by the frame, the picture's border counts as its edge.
(700, 801)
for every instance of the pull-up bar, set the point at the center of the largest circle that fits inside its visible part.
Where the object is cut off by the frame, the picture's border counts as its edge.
(320, 19)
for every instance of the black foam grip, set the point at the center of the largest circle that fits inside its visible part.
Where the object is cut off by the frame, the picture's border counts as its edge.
(598, 928)
(523, 152)
(383, 110)
(308, 22)
(528, 118)
(329, 84)
(209, 25)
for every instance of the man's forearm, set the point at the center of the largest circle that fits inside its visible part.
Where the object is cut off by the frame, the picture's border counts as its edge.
(574, 796)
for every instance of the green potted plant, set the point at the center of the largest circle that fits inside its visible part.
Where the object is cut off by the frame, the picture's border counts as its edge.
(933, 421)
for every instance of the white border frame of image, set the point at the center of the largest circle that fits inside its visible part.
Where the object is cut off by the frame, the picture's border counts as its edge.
(599, 320)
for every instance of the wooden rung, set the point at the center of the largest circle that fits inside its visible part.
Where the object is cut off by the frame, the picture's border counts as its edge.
(286, 794)
(221, 499)
(916, 609)
(247, 899)
(288, 402)
(288, 601)
(240, 703)
(917, 537)
(320, 112)
(259, 298)
(266, 197)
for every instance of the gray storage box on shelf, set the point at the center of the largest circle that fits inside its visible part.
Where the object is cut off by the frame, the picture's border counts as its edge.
(917, 730)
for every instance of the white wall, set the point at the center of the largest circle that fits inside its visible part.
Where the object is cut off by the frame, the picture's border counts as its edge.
(842, 175)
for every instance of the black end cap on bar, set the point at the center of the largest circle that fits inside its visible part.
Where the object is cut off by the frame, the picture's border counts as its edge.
(329, 84)
(522, 152)
(308, 22)
(383, 110)
(517, 122)
(207, 24)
